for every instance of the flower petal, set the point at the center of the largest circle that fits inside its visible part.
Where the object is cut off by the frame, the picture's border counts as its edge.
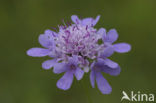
(108, 51)
(73, 60)
(110, 63)
(90, 21)
(112, 36)
(48, 64)
(102, 32)
(45, 41)
(110, 71)
(96, 20)
(92, 65)
(65, 82)
(122, 47)
(92, 78)
(102, 84)
(75, 19)
(60, 67)
(87, 21)
(79, 73)
(50, 33)
(38, 52)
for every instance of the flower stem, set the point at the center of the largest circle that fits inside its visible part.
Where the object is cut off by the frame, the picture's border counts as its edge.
(87, 93)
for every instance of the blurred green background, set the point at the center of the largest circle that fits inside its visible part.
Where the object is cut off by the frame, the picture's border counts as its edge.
(22, 80)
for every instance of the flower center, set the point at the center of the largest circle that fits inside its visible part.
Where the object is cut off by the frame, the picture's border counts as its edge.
(78, 40)
(72, 66)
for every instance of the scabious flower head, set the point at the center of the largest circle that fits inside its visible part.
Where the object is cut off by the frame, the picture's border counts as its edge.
(75, 49)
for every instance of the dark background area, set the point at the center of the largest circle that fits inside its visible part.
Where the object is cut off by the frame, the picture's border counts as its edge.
(22, 79)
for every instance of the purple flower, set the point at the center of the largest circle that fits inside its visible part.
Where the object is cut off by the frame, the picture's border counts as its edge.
(47, 41)
(75, 49)
(96, 69)
(70, 68)
(86, 21)
(110, 38)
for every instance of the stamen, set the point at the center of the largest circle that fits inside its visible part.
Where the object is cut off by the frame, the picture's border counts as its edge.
(77, 21)
(86, 27)
(68, 23)
(73, 28)
(77, 27)
(64, 22)
(54, 29)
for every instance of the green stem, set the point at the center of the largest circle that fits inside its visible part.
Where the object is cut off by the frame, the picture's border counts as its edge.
(87, 93)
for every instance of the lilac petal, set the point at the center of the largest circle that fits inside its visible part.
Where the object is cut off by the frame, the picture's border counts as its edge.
(90, 21)
(108, 51)
(73, 60)
(107, 62)
(100, 62)
(110, 71)
(102, 84)
(122, 47)
(102, 32)
(60, 67)
(112, 36)
(50, 33)
(48, 64)
(96, 20)
(87, 21)
(65, 82)
(75, 19)
(79, 73)
(92, 78)
(110, 63)
(45, 41)
(38, 52)
(92, 65)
